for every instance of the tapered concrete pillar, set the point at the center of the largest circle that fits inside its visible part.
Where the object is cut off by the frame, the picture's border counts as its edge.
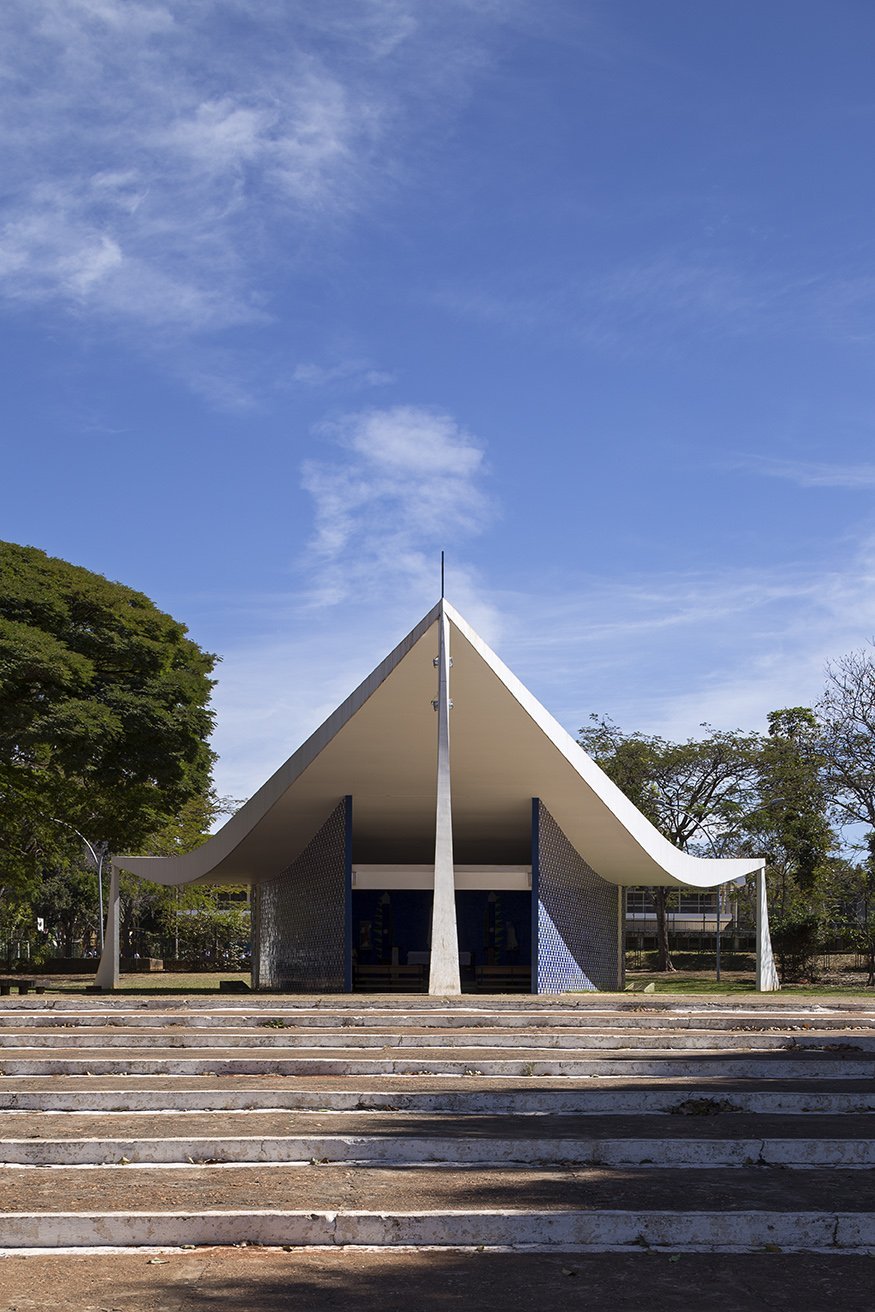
(767, 975)
(107, 976)
(444, 978)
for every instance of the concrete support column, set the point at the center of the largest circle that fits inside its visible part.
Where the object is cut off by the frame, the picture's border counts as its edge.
(107, 976)
(444, 977)
(767, 975)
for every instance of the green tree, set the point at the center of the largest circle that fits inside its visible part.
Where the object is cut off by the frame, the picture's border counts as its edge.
(697, 793)
(66, 900)
(790, 827)
(846, 712)
(104, 713)
(791, 822)
(148, 908)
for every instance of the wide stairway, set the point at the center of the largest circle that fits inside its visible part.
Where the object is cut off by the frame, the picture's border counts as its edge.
(580, 1124)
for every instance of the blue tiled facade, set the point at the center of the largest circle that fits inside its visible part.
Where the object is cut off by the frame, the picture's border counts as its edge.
(301, 922)
(575, 917)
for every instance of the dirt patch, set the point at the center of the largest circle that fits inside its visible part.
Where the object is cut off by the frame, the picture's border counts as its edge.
(267, 1280)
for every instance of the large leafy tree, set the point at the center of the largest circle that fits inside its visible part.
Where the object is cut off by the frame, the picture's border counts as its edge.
(847, 716)
(790, 827)
(104, 713)
(697, 793)
(792, 817)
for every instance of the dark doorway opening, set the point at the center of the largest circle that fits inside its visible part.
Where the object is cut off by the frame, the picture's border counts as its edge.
(495, 940)
(391, 940)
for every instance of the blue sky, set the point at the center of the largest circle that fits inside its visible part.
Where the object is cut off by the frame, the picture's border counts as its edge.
(292, 296)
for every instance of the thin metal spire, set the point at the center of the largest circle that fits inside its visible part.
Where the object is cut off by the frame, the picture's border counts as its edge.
(442, 576)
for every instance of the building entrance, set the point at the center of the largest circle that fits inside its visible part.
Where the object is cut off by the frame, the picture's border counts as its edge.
(391, 928)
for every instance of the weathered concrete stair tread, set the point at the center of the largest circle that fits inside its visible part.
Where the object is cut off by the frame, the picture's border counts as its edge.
(415, 1150)
(457, 1062)
(434, 1021)
(358, 1280)
(571, 1231)
(458, 1046)
(834, 1052)
(19, 1126)
(683, 1086)
(493, 1042)
(412, 1189)
(471, 1123)
(240, 1095)
(588, 1001)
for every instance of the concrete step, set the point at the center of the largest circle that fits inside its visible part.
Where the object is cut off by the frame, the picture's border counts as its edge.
(159, 1022)
(474, 1095)
(36, 1127)
(335, 1204)
(413, 1150)
(570, 1231)
(326, 1279)
(431, 1061)
(343, 1186)
(492, 1040)
(330, 1122)
(344, 1003)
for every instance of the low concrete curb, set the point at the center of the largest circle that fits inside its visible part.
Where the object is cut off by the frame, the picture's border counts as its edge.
(576, 1101)
(488, 1043)
(416, 1151)
(598, 1231)
(763, 1067)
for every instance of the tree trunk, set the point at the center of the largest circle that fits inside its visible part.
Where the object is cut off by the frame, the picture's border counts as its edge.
(663, 955)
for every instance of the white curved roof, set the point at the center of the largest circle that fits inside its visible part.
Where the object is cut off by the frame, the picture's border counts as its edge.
(379, 746)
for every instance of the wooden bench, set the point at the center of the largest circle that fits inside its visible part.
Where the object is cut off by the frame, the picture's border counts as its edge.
(389, 979)
(504, 979)
(24, 986)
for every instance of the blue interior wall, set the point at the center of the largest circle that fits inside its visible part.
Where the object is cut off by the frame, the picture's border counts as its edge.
(490, 924)
(494, 928)
(400, 918)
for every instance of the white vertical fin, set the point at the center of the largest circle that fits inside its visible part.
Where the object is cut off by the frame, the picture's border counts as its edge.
(107, 976)
(444, 977)
(767, 975)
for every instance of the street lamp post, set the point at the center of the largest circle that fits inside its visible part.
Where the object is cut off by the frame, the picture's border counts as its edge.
(98, 865)
(98, 862)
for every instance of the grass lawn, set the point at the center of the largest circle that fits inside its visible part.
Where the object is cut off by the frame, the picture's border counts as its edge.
(154, 983)
(684, 983)
(148, 982)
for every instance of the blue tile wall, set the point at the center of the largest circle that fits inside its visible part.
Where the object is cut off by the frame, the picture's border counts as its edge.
(300, 922)
(577, 941)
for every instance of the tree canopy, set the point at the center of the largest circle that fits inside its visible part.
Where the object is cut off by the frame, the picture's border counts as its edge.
(104, 712)
(696, 793)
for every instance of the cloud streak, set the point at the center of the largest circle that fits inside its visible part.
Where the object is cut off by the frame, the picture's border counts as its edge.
(196, 147)
(661, 654)
(813, 473)
(402, 482)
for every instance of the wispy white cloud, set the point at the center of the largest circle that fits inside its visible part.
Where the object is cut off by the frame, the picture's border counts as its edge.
(196, 146)
(401, 483)
(661, 654)
(812, 473)
(358, 373)
(670, 651)
(653, 303)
